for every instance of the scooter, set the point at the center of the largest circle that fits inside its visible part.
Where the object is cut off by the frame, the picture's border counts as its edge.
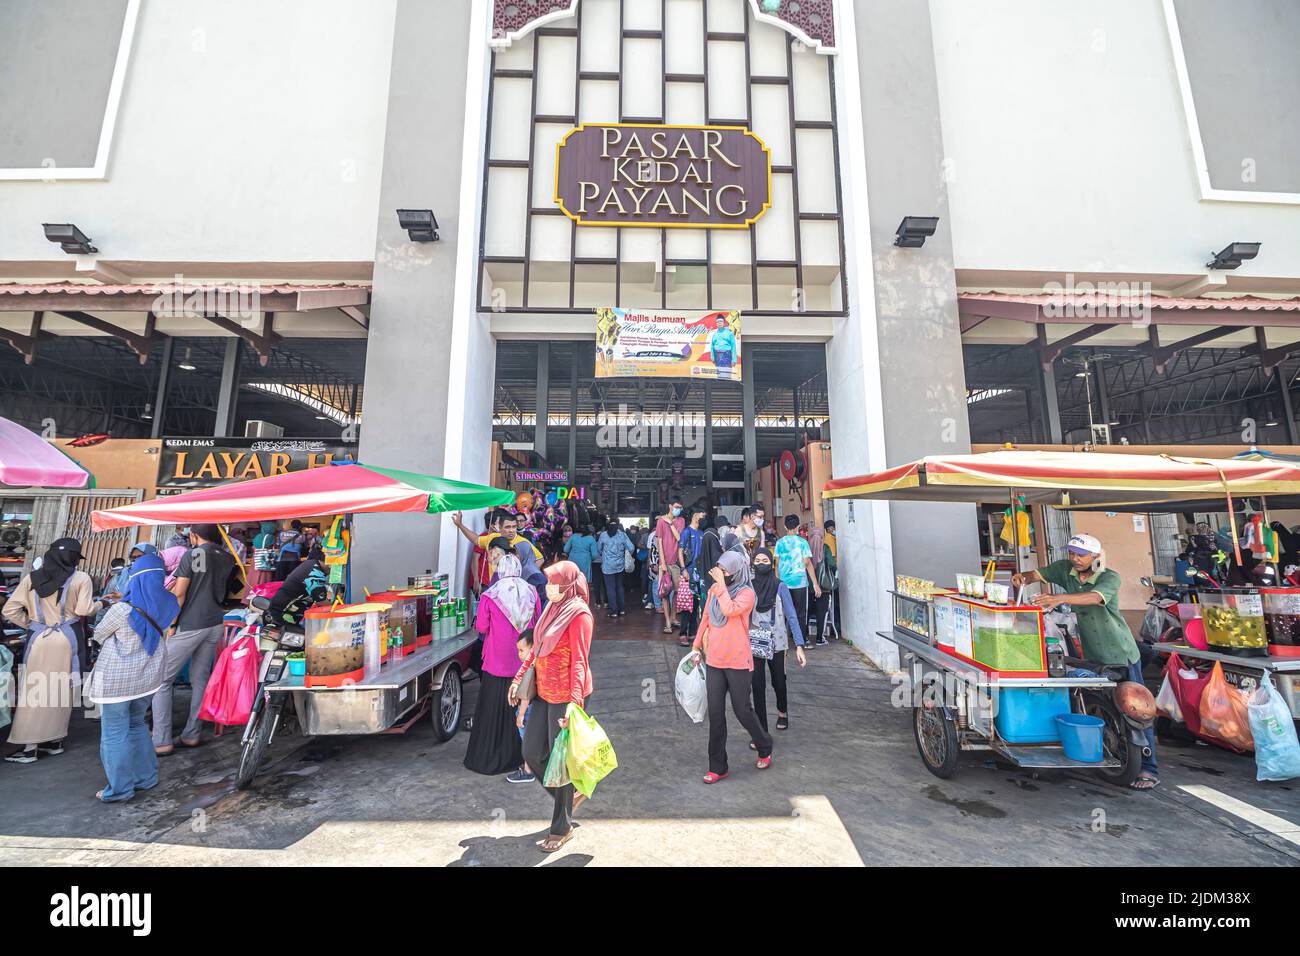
(1127, 710)
(275, 642)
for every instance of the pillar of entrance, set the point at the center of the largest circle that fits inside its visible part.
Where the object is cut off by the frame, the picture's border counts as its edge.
(894, 368)
(424, 329)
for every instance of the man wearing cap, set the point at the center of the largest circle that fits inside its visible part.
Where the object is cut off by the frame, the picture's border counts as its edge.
(1092, 590)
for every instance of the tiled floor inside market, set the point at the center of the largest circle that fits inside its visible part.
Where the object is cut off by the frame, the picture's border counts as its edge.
(846, 787)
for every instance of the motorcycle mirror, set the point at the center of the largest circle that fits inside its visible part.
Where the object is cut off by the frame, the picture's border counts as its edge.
(1146, 582)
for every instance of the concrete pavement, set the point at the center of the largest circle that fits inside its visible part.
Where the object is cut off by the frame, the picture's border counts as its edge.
(846, 788)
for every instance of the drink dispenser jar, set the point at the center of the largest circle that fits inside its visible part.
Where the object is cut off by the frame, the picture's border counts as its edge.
(1282, 621)
(338, 642)
(1234, 621)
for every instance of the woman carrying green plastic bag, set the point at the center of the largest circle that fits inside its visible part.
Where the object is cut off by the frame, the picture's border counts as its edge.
(561, 644)
(590, 757)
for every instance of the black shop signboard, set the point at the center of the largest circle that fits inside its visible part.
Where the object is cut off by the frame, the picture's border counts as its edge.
(186, 463)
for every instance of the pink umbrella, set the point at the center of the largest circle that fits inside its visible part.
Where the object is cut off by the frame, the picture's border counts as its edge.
(29, 461)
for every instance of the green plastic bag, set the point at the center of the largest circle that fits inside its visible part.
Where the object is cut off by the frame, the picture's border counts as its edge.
(557, 768)
(591, 756)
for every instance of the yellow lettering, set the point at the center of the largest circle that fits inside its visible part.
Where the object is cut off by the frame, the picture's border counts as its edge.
(611, 199)
(713, 140)
(701, 206)
(253, 469)
(232, 462)
(634, 145)
(744, 203)
(692, 172)
(632, 193)
(663, 200)
(319, 459)
(279, 463)
(611, 136)
(180, 464)
(684, 143)
(209, 468)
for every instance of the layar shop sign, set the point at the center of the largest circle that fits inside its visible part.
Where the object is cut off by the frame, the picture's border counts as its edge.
(635, 174)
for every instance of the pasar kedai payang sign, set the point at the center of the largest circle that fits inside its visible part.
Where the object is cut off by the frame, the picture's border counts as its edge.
(633, 174)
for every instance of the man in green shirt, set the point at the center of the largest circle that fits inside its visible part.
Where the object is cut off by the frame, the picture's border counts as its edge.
(1092, 590)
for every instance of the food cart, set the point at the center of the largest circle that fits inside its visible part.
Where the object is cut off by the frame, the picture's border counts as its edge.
(366, 672)
(960, 701)
(1250, 631)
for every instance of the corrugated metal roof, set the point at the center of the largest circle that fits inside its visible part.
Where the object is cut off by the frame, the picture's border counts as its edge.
(1241, 303)
(160, 288)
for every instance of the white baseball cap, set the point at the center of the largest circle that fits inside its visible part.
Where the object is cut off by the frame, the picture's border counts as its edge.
(1083, 544)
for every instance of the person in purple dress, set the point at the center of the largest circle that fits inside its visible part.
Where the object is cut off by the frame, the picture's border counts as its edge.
(507, 609)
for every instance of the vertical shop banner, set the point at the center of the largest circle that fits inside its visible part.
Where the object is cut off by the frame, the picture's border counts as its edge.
(655, 343)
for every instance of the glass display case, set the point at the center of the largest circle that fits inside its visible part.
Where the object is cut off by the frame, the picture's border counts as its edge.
(998, 638)
(914, 615)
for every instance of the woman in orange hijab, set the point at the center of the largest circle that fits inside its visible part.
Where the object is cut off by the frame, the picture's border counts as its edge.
(561, 644)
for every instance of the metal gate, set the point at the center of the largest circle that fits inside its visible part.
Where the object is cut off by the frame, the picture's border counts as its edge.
(67, 515)
(1059, 526)
(1165, 543)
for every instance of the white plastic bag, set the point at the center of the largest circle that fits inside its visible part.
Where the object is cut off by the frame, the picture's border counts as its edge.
(690, 689)
(1167, 701)
(1277, 750)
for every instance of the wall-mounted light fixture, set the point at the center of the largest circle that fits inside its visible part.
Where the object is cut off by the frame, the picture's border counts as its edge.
(147, 414)
(71, 239)
(186, 363)
(914, 230)
(419, 224)
(1233, 255)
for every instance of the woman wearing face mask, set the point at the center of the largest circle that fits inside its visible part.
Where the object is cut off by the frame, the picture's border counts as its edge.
(723, 642)
(561, 644)
(530, 571)
(773, 609)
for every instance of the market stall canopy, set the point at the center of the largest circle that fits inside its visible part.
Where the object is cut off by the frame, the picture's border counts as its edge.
(1069, 479)
(351, 488)
(29, 461)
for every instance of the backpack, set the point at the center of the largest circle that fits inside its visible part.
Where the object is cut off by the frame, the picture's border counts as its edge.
(762, 634)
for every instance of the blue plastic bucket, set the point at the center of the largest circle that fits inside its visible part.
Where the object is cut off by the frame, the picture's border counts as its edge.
(297, 667)
(1081, 737)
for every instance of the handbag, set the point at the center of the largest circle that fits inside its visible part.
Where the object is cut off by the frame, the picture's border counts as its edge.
(684, 600)
(762, 634)
(527, 688)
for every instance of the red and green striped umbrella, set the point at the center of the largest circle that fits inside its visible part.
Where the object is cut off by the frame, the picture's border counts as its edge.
(331, 489)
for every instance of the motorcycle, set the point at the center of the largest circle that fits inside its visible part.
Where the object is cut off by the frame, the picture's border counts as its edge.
(1161, 622)
(276, 641)
(1127, 710)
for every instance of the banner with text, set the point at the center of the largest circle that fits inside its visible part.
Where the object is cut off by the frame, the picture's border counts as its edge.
(668, 344)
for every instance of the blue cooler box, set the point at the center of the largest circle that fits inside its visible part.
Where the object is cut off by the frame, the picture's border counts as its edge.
(1027, 715)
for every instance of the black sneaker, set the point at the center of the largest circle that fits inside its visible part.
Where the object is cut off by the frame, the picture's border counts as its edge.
(822, 642)
(21, 756)
(50, 750)
(521, 776)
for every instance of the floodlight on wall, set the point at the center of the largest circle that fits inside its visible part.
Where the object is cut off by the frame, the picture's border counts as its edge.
(1233, 255)
(186, 363)
(419, 224)
(147, 414)
(71, 239)
(914, 230)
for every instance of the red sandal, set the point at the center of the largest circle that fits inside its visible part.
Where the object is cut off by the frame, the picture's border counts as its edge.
(712, 777)
(764, 762)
